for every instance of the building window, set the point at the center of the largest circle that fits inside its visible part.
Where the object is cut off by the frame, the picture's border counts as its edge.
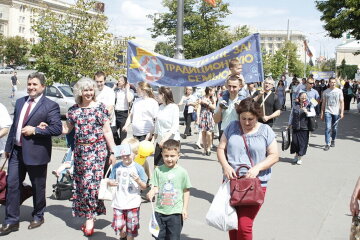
(1, 15)
(21, 29)
(21, 19)
(279, 45)
(262, 38)
(22, 8)
(270, 45)
(2, 28)
(270, 38)
(279, 38)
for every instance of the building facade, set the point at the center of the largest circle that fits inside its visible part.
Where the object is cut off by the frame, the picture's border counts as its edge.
(16, 16)
(346, 51)
(273, 40)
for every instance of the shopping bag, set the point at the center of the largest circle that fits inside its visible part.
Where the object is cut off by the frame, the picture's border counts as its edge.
(355, 228)
(106, 192)
(285, 139)
(220, 214)
(154, 228)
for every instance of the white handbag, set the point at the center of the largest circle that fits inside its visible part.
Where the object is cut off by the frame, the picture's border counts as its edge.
(106, 192)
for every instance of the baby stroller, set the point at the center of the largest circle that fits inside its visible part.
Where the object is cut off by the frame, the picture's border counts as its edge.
(63, 188)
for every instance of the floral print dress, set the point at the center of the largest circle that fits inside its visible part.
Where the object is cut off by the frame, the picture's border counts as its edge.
(206, 118)
(89, 159)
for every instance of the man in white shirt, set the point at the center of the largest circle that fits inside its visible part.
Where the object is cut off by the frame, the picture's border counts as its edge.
(107, 97)
(5, 123)
(332, 110)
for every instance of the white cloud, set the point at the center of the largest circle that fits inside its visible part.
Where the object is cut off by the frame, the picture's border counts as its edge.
(134, 12)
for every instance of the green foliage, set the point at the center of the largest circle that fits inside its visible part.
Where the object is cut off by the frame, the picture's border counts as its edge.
(346, 71)
(340, 16)
(165, 49)
(328, 65)
(275, 65)
(14, 50)
(203, 31)
(239, 33)
(74, 44)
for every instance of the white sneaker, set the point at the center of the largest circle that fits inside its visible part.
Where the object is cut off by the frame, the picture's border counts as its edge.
(299, 162)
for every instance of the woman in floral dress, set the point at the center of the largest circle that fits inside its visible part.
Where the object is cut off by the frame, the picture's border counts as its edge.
(206, 121)
(93, 138)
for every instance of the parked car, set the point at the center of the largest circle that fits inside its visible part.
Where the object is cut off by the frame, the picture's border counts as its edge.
(59, 93)
(6, 70)
(21, 67)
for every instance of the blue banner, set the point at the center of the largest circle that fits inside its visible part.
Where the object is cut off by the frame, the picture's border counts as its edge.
(322, 75)
(210, 70)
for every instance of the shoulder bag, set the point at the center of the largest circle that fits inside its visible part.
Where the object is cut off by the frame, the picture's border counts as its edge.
(106, 191)
(245, 191)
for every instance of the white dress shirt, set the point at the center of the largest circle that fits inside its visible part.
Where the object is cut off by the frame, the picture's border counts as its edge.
(5, 122)
(22, 115)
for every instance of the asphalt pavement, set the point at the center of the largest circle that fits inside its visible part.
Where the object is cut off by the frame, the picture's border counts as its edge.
(307, 202)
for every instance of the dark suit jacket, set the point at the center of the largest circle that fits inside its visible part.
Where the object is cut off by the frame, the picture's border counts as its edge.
(36, 149)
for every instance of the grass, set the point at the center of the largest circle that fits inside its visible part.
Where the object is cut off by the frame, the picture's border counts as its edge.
(59, 141)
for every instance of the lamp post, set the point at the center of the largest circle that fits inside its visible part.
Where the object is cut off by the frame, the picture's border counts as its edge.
(179, 48)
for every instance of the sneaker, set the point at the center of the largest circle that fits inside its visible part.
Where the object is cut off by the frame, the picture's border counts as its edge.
(332, 144)
(327, 147)
(295, 160)
(299, 162)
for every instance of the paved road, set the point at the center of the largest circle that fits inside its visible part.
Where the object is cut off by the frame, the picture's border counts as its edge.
(307, 202)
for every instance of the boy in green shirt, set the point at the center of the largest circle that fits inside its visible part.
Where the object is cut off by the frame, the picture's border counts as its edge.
(171, 183)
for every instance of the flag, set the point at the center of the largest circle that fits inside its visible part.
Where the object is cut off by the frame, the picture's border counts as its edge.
(307, 49)
(211, 2)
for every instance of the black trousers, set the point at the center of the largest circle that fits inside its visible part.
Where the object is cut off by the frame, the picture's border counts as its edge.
(188, 121)
(16, 175)
(158, 159)
(170, 226)
(121, 117)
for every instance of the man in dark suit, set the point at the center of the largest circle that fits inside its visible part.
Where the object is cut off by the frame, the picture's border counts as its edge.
(29, 151)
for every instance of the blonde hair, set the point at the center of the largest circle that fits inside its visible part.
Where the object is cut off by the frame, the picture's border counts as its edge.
(83, 84)
(134, 144)
(146, 88)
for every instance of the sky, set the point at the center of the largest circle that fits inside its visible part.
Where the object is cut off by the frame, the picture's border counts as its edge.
(128, 17)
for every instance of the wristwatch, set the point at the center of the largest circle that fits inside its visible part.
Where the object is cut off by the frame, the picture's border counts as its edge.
(34, 131)
(112, 153)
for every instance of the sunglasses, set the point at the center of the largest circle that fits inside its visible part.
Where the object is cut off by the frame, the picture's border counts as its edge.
(311, 83)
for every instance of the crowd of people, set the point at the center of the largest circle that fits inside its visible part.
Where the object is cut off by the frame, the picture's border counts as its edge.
(240, 114)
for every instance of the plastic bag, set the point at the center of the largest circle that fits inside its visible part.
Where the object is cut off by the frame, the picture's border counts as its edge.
(106, 192)
(220, 214)
(154, 228)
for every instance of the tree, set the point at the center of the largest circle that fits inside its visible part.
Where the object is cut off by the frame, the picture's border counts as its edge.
(15, 50)
(74, 44)
(165, 49)
(275, 64)
(239, 33)
(346, 71)
(340, 16)
(203, 31)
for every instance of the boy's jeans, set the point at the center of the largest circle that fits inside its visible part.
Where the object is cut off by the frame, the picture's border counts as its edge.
(330, 128)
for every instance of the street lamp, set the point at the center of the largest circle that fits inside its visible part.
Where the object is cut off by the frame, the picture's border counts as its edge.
(179, 48)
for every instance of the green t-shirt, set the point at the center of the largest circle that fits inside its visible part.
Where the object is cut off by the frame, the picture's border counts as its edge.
(171, 183)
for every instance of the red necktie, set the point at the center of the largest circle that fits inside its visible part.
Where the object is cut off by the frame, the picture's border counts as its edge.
(27, 111)
(26, 115)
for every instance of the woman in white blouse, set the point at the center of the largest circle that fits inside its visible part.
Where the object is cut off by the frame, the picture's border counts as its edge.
(167, 122)
(143, 113)
(189, 100)
(123, 97)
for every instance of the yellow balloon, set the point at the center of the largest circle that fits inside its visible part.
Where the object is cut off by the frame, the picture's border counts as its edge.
(146, 148)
